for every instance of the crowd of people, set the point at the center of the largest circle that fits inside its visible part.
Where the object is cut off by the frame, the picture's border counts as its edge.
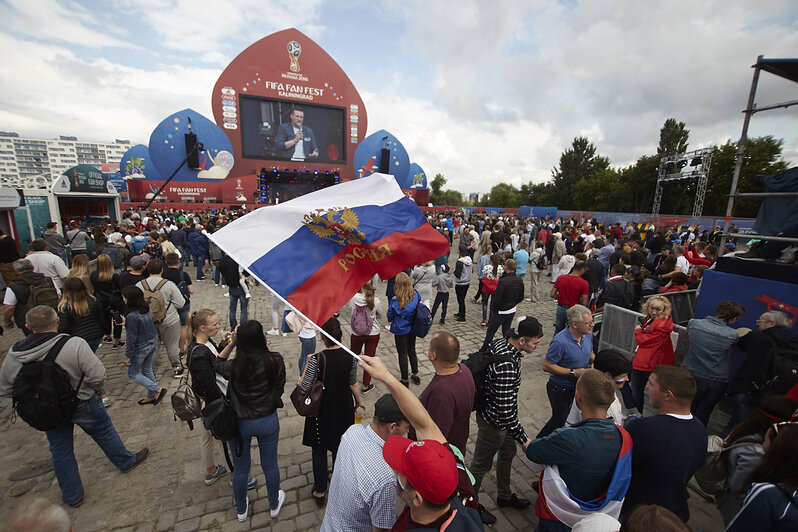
(605, 465)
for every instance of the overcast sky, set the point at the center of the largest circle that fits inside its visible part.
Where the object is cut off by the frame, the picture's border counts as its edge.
(481, 91)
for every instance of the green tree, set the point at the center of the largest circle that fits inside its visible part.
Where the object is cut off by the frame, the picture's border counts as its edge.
(503, 195)
(640, 183)
(762, 157)
(451, 197)
(673, 138)
(578, 162)
(537, 194)
(436, 189)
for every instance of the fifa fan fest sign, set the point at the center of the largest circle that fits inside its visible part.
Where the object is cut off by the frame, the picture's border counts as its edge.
(285, 103)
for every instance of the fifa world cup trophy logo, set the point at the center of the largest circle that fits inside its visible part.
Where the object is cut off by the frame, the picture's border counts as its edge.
(293, 54)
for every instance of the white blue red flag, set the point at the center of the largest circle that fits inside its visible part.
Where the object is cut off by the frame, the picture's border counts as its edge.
(557, 503)
(319, 249)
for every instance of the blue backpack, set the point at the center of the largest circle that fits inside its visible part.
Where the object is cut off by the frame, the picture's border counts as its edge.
(422, 321)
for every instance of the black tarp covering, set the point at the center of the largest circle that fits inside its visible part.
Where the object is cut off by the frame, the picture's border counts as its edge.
(785, 68)
(774, 271)
(778, 214)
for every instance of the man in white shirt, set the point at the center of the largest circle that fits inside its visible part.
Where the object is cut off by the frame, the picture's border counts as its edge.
(682, 265)
(362, 496)
(45, 262)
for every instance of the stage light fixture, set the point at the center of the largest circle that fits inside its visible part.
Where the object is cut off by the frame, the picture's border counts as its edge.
(681, 163)
(669, 166)
(696, 161)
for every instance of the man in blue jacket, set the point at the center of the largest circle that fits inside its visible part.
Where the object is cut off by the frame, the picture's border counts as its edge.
(295, 140)
(198, 247)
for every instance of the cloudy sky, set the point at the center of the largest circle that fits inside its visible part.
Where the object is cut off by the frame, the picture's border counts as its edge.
(483, 92)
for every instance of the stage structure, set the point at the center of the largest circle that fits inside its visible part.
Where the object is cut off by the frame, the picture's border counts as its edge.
(787, 69)
(278, 185)
(674, 169)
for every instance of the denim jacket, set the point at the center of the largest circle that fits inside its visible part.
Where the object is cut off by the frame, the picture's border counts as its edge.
(708, 354)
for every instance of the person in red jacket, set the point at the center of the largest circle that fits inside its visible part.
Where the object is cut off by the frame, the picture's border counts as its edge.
(677, 283)
(654, 346)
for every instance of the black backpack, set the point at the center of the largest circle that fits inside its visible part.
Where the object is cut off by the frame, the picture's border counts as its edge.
(183, 287)
(783, 371)
(43, 395)
(541, 264)
(478, 364)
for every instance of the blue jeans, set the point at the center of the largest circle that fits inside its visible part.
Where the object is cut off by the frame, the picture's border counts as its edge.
(237, 294)
(496, 320)
(199, 261)
(441, 298)
(93, 419)
(267, 431)
(485, 306)
(217, 275)
(560, 399)
(184, 312)
(561, 319)
(308, 347)
(140, 368)
(94, 344)
(318, 457)
(742, 406)
(184, 256)
(708, 393)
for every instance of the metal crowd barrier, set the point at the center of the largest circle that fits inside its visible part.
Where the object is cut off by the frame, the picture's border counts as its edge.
(618, 332)
(682, 303)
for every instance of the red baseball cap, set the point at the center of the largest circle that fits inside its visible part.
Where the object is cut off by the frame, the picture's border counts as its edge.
(428, 466)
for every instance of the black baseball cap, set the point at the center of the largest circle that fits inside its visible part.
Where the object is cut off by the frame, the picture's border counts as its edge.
(387, 411)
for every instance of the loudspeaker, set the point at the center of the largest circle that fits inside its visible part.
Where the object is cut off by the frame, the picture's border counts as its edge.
(385, 160)
(192, 151)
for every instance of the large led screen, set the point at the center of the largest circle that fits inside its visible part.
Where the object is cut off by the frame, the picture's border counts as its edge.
(288, 131)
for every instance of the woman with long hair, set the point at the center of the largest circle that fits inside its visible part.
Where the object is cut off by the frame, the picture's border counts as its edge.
(202, 360)
(105, 282)
(80, 270)
(167, 247)
(100, 239)
(366, 299)
(654, 346)
(400, 313)
(337, 369)
(771, 503)
(747, 439)
(79, 313)
(257, 379)
(491, 272)
(423, 276)
(142, 342)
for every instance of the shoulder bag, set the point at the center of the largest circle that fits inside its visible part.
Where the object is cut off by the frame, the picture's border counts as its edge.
(308, 403)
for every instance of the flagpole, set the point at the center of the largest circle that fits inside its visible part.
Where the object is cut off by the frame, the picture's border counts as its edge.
(292, 307)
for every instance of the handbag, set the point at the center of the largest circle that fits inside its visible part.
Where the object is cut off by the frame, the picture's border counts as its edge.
(308, 403)
(489, 286)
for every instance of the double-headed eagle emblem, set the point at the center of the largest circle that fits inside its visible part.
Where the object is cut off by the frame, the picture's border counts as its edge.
(338, 225)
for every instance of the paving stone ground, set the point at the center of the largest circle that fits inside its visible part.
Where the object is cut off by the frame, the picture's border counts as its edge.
(167, 492)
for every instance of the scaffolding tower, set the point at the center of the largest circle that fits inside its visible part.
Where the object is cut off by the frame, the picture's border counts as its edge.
(671, 170)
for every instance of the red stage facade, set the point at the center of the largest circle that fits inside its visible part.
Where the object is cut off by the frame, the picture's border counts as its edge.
(254, 101)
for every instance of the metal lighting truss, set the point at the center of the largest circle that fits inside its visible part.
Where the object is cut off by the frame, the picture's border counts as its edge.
(670, 171)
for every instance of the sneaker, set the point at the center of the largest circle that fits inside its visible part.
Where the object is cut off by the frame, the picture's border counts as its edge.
(273, 332)
(536, 486)
(486, 517)
(458, 318)
(227, 294)
(243, 517)
(248, 296)
(140, 457)
(178, 372)
(220, 472)
(528, 298)
(215, 284)
(280, 500)
(484, 323)
(442, 322)
(367, 389)
(513, 502)
(106, 401)
(251, 483)
(117, 346)
(415, 379)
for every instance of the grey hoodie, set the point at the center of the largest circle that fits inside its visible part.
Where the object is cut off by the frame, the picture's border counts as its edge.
(462, 270)
(76, 357)
(443, 283)
(54, 240)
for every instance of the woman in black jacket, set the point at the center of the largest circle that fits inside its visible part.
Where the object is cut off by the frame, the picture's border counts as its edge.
(257, 380)
(79, 313)
(202, 359)
(105, 282)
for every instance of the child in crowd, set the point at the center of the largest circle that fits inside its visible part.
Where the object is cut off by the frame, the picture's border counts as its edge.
(443, 285)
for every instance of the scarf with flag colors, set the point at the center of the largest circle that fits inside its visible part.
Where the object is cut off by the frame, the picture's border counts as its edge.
(319, 249)
(556, 503)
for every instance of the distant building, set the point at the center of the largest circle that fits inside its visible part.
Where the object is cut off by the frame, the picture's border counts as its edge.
(473, 197)
(30, 162)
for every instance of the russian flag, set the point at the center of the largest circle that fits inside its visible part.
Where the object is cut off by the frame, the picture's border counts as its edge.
(318, 250)
(557, 503)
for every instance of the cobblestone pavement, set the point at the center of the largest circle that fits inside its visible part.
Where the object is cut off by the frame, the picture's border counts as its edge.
(167, 492)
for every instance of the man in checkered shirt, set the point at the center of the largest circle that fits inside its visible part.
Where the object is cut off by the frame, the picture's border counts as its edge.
(498, 423)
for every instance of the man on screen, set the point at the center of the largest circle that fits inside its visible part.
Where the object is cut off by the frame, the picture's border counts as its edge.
(295, 140)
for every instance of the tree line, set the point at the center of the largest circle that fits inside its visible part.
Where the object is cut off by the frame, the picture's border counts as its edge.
(586, 180)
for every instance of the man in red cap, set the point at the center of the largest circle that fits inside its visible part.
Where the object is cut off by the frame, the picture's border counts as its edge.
(428, 476)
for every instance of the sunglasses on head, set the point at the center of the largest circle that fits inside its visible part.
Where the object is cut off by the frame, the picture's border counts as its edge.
(776, 426)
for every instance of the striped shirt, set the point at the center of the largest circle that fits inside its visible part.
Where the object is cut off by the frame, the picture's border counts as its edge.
(362, 490)
(502, 381)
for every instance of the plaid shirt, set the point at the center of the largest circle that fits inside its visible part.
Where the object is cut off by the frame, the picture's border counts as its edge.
(502, 381)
